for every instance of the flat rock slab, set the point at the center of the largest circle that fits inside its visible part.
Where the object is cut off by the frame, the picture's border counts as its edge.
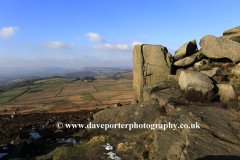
(127, 114)
(186, 61)
(219, 133)
(212, 72)
(217, 48)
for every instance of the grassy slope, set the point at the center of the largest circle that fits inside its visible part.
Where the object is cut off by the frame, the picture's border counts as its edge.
(6, 96)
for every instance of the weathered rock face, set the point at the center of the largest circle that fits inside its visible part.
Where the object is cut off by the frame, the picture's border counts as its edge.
(195, 80)
(127, 114)
(173, 77)
(232, 34)
(169, 60)
(236, 70)
(226, 92)
(200, 64)
(212, 72)
(216, 135)
(150, 66)
(164, 91)
(217, 47)
(185, 50)
(178, 71)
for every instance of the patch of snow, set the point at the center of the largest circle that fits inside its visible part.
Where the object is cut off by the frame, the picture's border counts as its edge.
(113, 156)
(108, 147)
(34, 135)
(70, 140)
(3, 154)
(5, 148)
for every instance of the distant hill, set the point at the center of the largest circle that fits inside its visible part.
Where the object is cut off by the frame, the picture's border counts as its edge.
(13, 75)
(96, 71)
(10, 72)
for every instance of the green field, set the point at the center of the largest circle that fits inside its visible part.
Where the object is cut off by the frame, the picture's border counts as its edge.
(54, 80)
(6, 96)
(87, 97)
(129, 85)
(43, 88)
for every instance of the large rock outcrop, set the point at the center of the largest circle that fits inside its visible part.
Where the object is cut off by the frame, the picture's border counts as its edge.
(186, 50)
(151, 64)
(233, 34)
(217, 47)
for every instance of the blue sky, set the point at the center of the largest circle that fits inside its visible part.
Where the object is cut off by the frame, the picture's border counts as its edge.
(101, 33)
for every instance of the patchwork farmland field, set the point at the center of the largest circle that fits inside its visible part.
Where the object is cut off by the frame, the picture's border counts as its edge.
(65, 93)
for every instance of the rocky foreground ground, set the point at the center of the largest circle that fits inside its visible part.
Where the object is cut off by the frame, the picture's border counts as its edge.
(29, 135)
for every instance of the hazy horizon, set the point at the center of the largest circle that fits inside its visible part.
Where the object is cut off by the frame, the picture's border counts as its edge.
(77, 34)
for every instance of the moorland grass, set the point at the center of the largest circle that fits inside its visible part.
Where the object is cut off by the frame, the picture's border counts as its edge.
(104, 87)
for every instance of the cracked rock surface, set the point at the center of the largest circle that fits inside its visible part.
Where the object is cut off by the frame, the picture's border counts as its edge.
(219, 133)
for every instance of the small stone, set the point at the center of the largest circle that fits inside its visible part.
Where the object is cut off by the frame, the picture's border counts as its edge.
(89, 118)
(117, 105)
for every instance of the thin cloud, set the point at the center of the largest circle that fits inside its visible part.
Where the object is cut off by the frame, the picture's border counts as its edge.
(95, 37)
(71, 58)
(77, 37)
(8, 32)
(143, 36)
(135, 43)
(58, 45)
(120, 47)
